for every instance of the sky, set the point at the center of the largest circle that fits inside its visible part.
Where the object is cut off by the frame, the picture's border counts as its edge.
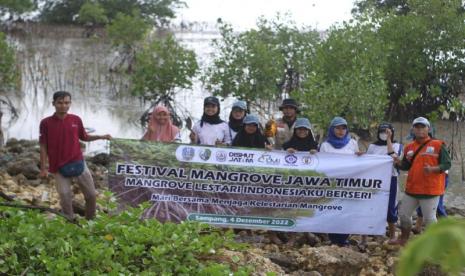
(243, 14)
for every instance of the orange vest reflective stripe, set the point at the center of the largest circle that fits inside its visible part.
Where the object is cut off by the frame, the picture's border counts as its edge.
(419, 182)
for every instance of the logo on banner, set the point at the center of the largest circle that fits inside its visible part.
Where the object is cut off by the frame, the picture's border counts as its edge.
(221, 156)
(188, 153)
(205, 154)
(241, 157)
(290, 159)
(310, 160)
(307, 160)
(268, 159)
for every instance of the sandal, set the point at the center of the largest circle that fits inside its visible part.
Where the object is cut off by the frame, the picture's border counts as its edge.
(397, 242)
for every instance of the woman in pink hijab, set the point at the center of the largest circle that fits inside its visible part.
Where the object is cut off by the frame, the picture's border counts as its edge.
(160, 127)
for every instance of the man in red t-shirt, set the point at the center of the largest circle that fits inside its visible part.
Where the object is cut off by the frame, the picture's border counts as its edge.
(59, 143)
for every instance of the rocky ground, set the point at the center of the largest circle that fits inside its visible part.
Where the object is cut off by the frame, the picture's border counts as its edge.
(309, 254)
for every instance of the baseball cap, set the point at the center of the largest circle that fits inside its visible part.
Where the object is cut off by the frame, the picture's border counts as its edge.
(251, 119)
(421, 120)
(211, 100)
(240, 104)
(303, 123)
(338, 121)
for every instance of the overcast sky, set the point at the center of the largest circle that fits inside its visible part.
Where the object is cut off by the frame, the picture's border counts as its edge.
(243, 14)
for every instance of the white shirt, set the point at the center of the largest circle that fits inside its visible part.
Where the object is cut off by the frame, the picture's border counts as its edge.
(232, 134)
(382, 150)
(208, 134)
(350, 148)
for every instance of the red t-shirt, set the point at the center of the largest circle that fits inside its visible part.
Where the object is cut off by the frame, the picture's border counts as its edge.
(61, 136)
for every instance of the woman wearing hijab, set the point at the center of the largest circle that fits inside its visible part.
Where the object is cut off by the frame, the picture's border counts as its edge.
(339, 141)
(211, 130)
(160, 127)
(381, 147)
(302, 139)
(236, 117)
(250, 135)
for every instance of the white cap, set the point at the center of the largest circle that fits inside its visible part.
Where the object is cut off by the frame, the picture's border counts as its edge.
(421, 120)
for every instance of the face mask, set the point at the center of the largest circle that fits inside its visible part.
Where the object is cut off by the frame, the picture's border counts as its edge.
(383, 136)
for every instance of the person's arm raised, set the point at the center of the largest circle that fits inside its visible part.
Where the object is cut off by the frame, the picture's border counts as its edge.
(91, 138)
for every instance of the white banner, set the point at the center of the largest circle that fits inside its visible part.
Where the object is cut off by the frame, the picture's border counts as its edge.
(357, 191)
(243, 188)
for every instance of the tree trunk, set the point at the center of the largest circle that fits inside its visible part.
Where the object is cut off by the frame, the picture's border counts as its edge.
(1, 131)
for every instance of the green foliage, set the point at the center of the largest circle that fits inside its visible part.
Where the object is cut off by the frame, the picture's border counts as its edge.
(262, 63)
(380, 6)
(423, 43)
(8, 71)
(92, 13)
(154, 12)
(126, 30)
(161, 66)
(442, 244)
(16, 8)
(61, 12)
(346, 79)
(119, 244)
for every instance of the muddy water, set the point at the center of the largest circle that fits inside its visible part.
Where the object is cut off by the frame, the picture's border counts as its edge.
(60, 58)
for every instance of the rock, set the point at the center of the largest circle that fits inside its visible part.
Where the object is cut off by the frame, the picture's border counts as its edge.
(254, 257)
(28, 143)
(305, 273)
(375, 266)
(333, 260)
(287, 262)
(21, 146)
(12, 142)
(11, 186)
(271, 248)
(372, 245)
(390, 261)
(33, 155)
(35, 183)
(16, 149)
(378, 251)
(21, 180)
(5, 159)
(453, 211)
(31, 171)
(312, 239)
(295, 240)
(250, 238)
(9, 182)
(27, 167)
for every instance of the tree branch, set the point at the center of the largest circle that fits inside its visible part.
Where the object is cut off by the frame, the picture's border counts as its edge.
(40, 208)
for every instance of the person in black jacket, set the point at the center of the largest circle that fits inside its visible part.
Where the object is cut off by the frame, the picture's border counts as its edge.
(250, 135)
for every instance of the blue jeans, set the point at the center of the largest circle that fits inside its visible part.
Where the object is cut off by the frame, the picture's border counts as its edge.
(392, 208)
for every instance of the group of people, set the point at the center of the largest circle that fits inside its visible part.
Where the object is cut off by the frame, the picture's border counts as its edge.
(426, 159)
